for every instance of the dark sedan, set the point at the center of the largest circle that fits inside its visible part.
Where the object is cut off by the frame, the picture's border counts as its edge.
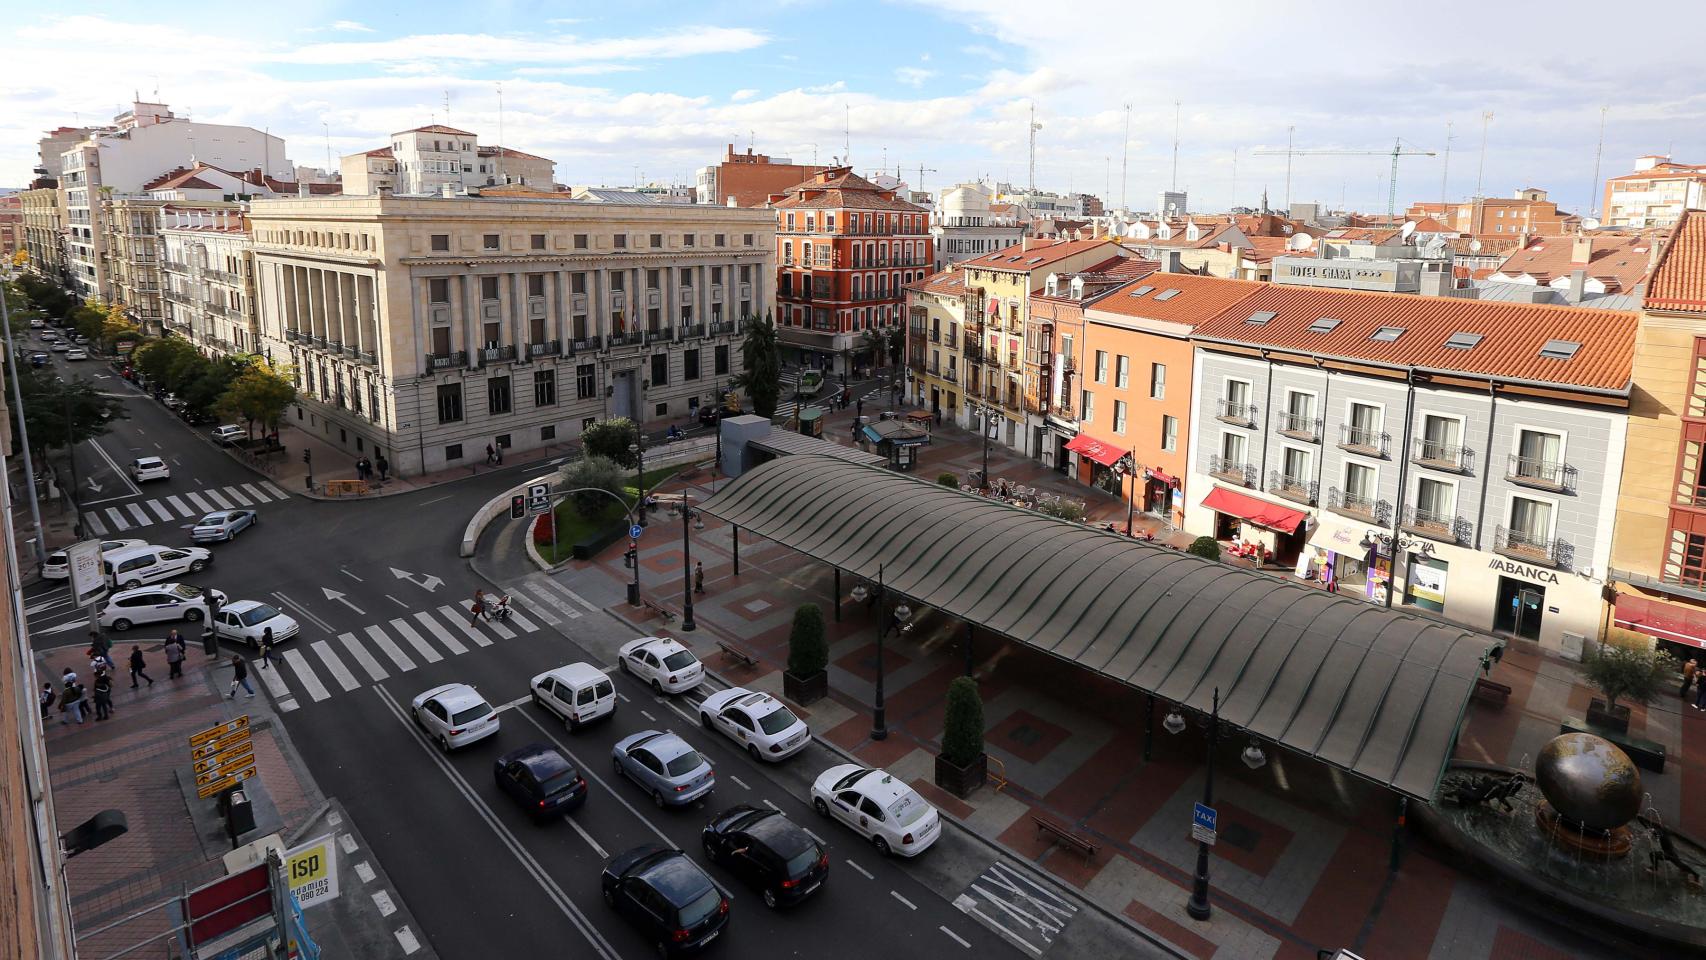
(769, 852)
(666, 897)
(542, 780)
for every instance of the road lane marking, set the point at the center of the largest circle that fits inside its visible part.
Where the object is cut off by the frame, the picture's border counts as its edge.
(814, 836)
(909, 904)
(546, 596)
(275, 687)
(995, 924)
(518, 701)
(455, 616)
(565, 591)
(183, 508)
(435, 500)
(956, 937)
(439, 633)
(123, 477)
(141, 515)
(648, 716)
(237, 495)
(351, 575)
(119, 522)
(362, 657)
(302, 612)
(417, 641)
(406, 940)
(201, 504)
(539, 611)
(340, 673)
(862, 871)
(275, 491)
(213, 495)
(161, 511)
(579, 599)
(305, 675)
(498, 628)
(95, 525)
(255, 492)
(390, 649)
(521, 621)
(738, 780)
(587, 837)
(396, 601)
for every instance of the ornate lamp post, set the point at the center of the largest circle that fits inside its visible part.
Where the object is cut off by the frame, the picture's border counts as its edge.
(687, 514)
(1126, 467)
(1253, 757)
(901, 620)
(638, 449)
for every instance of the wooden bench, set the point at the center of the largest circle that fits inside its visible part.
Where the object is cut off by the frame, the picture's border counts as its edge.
(737, 654)
(1491, 692)
(1064, 836)
(663, 612)
(1646, 754)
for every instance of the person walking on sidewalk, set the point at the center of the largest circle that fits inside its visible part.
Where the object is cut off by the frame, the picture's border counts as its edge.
(174, 655)
(138, 666)
(239, 677)
(103, 695)
(48, 699)
(491, 455)
(478, 610)
(1690, 673)
(384, 467)
(268, 655)
(71, 700)
(698, 576)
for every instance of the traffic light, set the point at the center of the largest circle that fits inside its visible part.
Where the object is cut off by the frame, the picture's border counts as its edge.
(518, 506)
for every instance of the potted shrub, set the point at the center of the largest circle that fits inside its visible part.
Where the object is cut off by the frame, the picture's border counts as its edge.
(1625, 667)
(1205, 547)
(962, 766)
(948, 480)
(807, 678)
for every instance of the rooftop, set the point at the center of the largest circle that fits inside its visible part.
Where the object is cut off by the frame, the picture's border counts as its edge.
(434, 128)
(1195, 299)
(1040, 254)
(841, 188)
(1679, 280)
(1620, 261)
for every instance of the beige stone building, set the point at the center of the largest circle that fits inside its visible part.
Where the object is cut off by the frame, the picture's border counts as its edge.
(426, 328)
(427, 159)
(208, 261)
(44, 231)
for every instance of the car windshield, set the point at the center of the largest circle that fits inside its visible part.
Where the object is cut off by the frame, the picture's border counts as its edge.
(777, 721)
(907, 809)
(802, 862)
(851, 778)
(259, 614)
(472, 713)
(686, 763)
(561, 780)
(211, 520)
(185, 591)
(679, 660)
(700, 908)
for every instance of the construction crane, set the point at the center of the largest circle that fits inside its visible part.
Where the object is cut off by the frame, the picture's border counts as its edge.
(922, 170)
(1397, 151)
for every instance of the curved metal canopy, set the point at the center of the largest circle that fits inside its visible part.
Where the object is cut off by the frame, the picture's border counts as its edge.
(1376, 692)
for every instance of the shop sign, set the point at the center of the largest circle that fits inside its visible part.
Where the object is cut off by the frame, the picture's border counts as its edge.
(1522, 570)
(1427, 582)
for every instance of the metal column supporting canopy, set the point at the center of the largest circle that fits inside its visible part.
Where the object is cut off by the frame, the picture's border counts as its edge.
(1376, 692)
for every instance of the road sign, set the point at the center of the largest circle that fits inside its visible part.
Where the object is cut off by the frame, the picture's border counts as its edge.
(88, 576)
(635, 531)
(211, 733)
(1203, 820)
(312, 871)
(230, 758)
(219, 782)
(538, 498)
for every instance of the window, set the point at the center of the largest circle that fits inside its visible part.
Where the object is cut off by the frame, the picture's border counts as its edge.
(1294, 464)
(536, 285)
(577, 283)
(497, 395)
(1363, 429)
(490, 241)
(1434, 502)
(1170, 434)
(621, 241)
(1232, 448)
(1121, 371)
(689, 239)
(1158, 381)
(1238, 398)
(536, 242)
(441, 241)
(438, 290)
(1324, 325)
(653, 278)
(747, 238)
(1299, 413)
(690, 365)
(1387, 334)
(1119, 416)
(1539, 456)
(586, 381)
(544, 388)
(1463, 341)
(1442, 439)
(1087, 401)
(548, 432)
(720, 364)
(618, 282)
(488, 288)
(1531, 522)
(580, 241)
(722, 240)
(1359, 485)
(1101, 366)
(449, 402)
(660, 369)
(657, 241)
(453, 452)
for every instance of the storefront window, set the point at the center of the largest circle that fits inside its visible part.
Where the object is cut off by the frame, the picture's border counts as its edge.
(1424, 583)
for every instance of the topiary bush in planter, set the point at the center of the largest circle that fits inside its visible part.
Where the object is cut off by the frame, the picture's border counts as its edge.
(962, 766)
(1207, 547)
(807, 678)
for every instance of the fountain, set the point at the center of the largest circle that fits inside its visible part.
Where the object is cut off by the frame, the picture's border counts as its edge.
(1579, 837)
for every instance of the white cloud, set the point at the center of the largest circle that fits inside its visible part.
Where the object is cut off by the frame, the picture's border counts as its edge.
(686, 42)
(578, 70)
(350, 26)
(836, 87)
(740, 95)
(913, 76)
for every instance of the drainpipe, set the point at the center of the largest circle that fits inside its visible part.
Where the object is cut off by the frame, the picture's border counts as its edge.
(1403, 475)
(1486, 462)
(1268, 402)
(1321, 434)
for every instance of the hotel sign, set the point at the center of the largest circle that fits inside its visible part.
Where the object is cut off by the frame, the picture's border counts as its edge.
(1333, 273)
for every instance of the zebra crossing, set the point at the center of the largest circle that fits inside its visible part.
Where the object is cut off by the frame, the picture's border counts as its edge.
(185, 506)
(315, 670)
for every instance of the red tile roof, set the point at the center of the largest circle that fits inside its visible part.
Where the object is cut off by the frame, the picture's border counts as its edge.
(380, 152)
(1679, 281)
(1041, 254)
(1667, 171)
(841, 188)
(1264, 249)
(1199, 298)
(510, 152)
(1512, 334)
(1620, 261)
(950, 281)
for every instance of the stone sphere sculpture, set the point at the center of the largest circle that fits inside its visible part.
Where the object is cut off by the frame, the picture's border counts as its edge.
(1588, 780)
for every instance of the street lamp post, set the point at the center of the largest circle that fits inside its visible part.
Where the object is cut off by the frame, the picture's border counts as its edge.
(24, 433)
(902, 620)
(1127, 466)
(638, 449)
(687, 514)
(1198, 906)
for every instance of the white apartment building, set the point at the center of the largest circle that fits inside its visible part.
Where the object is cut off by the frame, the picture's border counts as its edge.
(427, 159)
(964, 224)
(209, 279)
(1655, 194)
(426, 328)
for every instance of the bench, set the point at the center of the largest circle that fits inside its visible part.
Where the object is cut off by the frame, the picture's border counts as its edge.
(1064, 836)
(1491, 692)
(737, 654)
(1647, 754)
(663, 612)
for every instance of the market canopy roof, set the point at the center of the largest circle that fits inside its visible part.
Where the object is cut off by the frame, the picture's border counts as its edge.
(1376, 692)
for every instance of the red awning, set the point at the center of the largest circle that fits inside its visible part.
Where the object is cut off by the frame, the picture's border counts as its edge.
(1667, 621)
(1156, 473)
(1105, 454)
(1256, 511)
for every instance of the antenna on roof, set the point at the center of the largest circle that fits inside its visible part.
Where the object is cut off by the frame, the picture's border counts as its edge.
(447, 105)
(1593, 188)
(328, 129)
(846, 133)
(1234, 202)
(501, 134)
(1175, 186)
(1486, 118)
(1125, 153)
(1034, 127)
(1445, 171)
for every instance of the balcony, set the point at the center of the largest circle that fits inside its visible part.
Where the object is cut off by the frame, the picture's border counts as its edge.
(1300, 427)
(658, 335)
(623, 340)
(1541, 474)
(1444, 527)
(1363, 440)
(1296, 489)
(722, 327)
(585, 344)
(549, 348)
(365, 356)
(499, 354)
(1232, 471)
(935, 336)
(973, 352)
(1442, 456)
(447, 361)
(1243, 414)
(690, 331)
(951, 375)
(1358, 506)
(1530, 548)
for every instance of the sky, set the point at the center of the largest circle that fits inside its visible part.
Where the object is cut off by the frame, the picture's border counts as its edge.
(943, 90)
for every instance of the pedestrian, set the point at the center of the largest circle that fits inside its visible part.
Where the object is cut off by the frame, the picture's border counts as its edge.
(1690, 673)
(71, 701)
(360, 471)
(500, 454)
(698, 576)
(384, 466)
(239, 677)
(174, 655)
(478, 610)
(1700, 696)
(267, 653)
(137, 666)
(103, 695)
(48, 698)
(491, 455)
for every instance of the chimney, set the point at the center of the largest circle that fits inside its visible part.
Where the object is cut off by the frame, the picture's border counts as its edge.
(1581, 250)
(383, 189)
(1025, 243)
(1170, 261)
(1578, 285)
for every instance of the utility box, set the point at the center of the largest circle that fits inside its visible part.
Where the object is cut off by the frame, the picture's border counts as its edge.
(239, 815)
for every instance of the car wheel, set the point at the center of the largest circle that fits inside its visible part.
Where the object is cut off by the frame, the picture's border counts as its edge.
(192, 615)
(444, 743)
(571, 724)
(197, 566)
(710, 847)
(624, 662)
(657, 687)
(609, 897)
(657, 798)
(538, 701)
(705, 720)
(881, 845)
(121, 625)
(821, 807)
(770, 899)
(616, 765)
(752, 750)
(132, 584)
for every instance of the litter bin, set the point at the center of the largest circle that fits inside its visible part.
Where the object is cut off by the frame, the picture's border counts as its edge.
(239, 815)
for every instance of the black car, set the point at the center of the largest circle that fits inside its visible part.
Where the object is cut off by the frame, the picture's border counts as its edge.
(666, 897)
(38, 359)
(768, 852)
(542, 780)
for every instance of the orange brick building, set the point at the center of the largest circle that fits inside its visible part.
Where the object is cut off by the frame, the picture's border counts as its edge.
(1528, 212)
(749, 178)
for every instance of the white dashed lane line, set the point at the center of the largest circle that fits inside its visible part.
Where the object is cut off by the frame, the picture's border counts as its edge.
(955, 937)
(738, 780)
(862, 871)
(909, 904)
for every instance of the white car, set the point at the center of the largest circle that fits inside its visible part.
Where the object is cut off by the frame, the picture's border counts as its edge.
(454, 715)
(165, 601)
(76, 353)
(58, 567)
(249, 620)
(758, 721)
(878, 807)
(578, 692)
(134, 566)
(228, 434)
(149, 468)
(664, 663)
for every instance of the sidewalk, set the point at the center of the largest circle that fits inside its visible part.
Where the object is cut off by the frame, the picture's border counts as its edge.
(1302, 863)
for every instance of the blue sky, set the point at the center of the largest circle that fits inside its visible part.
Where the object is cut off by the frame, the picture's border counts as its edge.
(659, 89)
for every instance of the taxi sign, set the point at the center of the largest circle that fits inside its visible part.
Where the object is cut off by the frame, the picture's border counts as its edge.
(311, 870)
(230, 726)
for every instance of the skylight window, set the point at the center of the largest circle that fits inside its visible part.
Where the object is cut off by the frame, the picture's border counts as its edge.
(1559, 349)
(1140, 291)
(1387, 334)
(1260, 317)
(1324, 325)
(1168, 293)
(1463, 341)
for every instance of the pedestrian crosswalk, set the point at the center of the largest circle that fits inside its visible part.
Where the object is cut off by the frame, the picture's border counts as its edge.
(103, 522)
(315, 669)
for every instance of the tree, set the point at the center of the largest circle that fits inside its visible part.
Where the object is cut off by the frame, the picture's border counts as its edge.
(761, 365)
(64, 412)
(962, 727)
(258, 394)
(1206, 547)
(611, 439)
(1626, 667)
(156, 358)
(595, 473)
(21, 258)
(116, 326)
(207, 380)
(949, 480)
(89, 319)
(1072, 510)
(808, 653)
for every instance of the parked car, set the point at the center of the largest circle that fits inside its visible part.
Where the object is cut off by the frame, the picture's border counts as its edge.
(59, 346)
(36, 323)
(172, 402)
(758, 721)
(149, 468)
(79, 338)
(249, 620)
(664, 663)
(542, 780)
(664, 766)
(769, 852)
(227, 434)
(577, 692)
(666, 897)
(58, 567)
(132, 567)
(223, 525)
(76, 353)
(38, 359)
(167, 601)
(878, 807)
(454, 715)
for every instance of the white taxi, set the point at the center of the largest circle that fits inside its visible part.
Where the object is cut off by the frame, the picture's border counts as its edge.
(664, 663)
(879, 807)
(756, 720)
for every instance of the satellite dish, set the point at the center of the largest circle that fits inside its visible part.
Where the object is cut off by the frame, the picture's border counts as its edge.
(1591, 223)
(1407, 229)
(1299, 241)
(1474, 246)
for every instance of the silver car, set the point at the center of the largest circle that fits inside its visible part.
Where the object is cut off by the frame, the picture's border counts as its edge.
(223, 525)
(664, 765)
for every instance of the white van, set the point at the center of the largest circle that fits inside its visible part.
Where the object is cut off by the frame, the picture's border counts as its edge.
(131, 568)
(578, 692)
